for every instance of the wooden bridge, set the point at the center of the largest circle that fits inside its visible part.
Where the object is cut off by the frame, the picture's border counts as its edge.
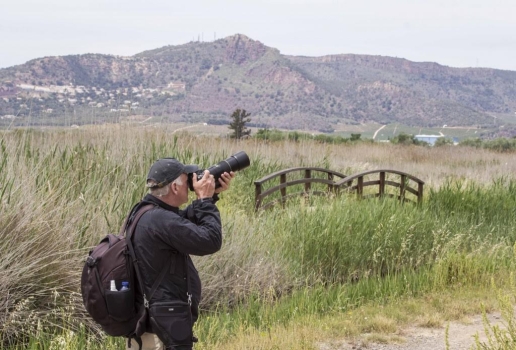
(336, 182)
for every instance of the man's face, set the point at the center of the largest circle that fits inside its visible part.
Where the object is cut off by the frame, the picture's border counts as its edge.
(182, 190)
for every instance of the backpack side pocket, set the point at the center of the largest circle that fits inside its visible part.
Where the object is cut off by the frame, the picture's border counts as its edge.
(120, 305)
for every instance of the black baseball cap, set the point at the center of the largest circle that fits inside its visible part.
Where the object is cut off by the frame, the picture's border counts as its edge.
(166, 170)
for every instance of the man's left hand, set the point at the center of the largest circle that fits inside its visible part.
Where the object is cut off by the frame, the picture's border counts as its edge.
(225, 181)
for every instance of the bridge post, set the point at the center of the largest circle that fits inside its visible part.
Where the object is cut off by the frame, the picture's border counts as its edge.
(308, 175)
(419, 192)
(381, 190)
(402, 188)
(257, 193)
(330, 187)
(360, 187)
(283, 180)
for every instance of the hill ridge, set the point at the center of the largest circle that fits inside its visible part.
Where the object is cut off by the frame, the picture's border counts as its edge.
(206, 81)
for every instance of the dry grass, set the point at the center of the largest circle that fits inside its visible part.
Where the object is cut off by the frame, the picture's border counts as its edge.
(369, 323)
(433, 165)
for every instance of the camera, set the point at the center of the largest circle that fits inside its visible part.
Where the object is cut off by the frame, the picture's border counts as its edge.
(237, 161)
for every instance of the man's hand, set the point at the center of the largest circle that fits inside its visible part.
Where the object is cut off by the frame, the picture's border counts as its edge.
(205, 187)
(225, 181)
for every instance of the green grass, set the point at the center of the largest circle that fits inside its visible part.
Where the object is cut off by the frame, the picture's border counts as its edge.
(61, 191)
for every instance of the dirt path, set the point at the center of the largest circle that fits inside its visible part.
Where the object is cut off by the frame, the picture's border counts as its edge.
(376, 132)
(460, 337)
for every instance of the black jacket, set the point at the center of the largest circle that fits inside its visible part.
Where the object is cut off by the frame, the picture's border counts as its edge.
(166, 235)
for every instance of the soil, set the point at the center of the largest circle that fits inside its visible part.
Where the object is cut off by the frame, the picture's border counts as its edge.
(460, 337)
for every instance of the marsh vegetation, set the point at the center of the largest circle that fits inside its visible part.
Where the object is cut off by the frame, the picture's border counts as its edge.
(320, 268)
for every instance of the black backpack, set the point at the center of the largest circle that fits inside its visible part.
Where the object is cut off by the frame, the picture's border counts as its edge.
(117, 312)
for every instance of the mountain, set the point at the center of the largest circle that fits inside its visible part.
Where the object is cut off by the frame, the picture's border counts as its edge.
(206, 81)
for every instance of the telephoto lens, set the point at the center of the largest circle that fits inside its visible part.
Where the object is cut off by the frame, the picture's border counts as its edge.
(236, 162)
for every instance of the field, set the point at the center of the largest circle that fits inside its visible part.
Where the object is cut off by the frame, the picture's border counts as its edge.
(379, 132)
(392, 130)
(317, 271)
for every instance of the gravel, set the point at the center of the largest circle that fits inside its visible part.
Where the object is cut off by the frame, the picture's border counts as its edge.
(460, 337)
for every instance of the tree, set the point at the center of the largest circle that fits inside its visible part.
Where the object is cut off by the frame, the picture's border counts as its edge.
(442, 141)
(240, 118)
(406, 139)
(355, 137)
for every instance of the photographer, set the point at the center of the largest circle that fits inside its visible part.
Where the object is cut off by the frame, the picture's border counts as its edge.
(167, 236)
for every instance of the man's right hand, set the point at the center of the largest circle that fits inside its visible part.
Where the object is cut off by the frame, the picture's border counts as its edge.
(205, 187)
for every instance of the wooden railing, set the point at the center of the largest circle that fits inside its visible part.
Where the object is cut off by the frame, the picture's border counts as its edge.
(307, 180)
(356, 183)
(353, 183)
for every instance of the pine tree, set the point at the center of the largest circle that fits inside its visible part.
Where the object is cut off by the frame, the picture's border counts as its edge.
(240, 118)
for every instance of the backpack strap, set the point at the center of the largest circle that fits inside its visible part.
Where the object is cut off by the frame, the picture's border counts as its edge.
(133, 218)
(188, 287)
(129, 236)
(129, 218)
(138, 340)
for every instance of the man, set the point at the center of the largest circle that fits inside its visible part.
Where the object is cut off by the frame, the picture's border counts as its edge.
(166, 236)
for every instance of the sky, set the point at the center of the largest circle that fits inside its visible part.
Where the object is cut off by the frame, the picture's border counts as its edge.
(456, 33)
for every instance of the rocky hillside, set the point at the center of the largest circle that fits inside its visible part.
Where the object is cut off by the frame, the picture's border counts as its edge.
(205, 82)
